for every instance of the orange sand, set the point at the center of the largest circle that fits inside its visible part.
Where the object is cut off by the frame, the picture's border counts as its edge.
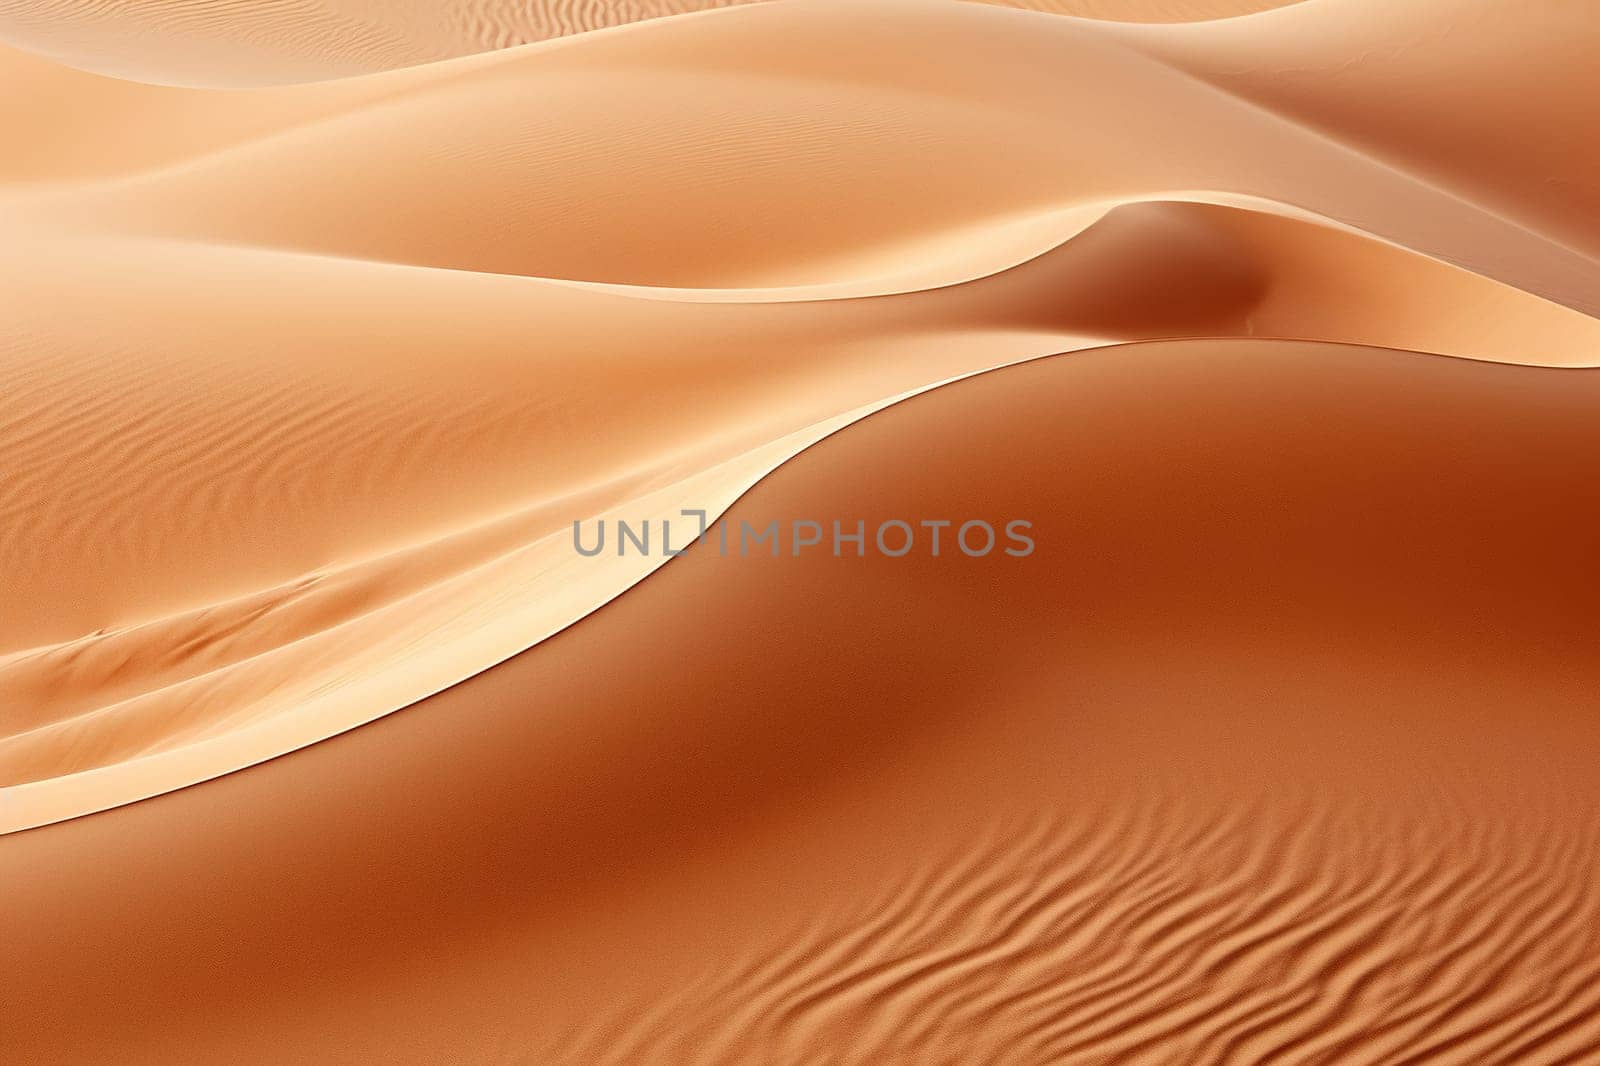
(324, 321)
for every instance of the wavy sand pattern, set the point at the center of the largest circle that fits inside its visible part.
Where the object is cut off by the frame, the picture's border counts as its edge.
(325, 319)
(268, 42)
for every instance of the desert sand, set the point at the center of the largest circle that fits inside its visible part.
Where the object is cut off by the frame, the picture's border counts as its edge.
(324, 322)
(217, 43)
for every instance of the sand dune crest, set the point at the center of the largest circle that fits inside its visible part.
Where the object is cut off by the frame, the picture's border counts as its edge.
(326, 321)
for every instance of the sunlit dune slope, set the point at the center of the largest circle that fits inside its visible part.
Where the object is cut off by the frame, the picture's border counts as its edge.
(216, 43)
(779, 144)
(1490, 100)
(283, 527)
(323, 322)
(1173, 788)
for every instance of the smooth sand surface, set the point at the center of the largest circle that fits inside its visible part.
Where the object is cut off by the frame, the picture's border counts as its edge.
(324, 321)
(1185, 794)
(219, 43)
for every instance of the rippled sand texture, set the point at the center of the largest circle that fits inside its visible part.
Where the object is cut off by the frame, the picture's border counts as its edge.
(226, 43)
(1277, 325)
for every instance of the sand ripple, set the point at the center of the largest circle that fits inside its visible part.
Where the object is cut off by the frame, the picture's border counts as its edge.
(1141, 933)
(324, 320)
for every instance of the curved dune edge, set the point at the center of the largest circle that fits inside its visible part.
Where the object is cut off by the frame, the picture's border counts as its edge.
(516, 600)
(502, 585)
(319, 743)
(1182, 791)
(947, 258)
(521, 599)
(201, 43)
(991, 246)
(1338, 65)
(224, 160)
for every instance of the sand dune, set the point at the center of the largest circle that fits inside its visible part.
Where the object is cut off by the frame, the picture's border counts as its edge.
(1185, 794)
(216, 43)
(324, 321)
(890, 120)
(1427, 87)
(407, 499)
